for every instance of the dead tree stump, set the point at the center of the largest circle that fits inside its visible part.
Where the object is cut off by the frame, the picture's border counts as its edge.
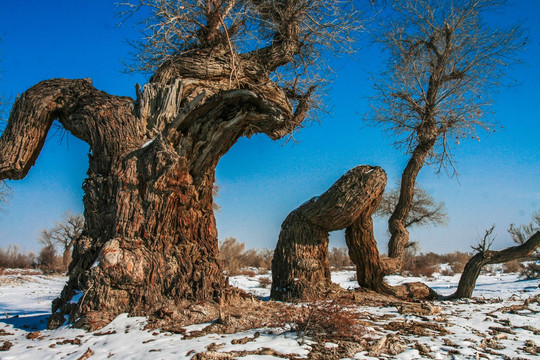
(300, 269)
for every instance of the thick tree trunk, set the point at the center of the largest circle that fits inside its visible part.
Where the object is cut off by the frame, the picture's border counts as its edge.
(66, 257)
(300, 268)
(149, 242)
(473, 267)
(364, 252)
(399, 235)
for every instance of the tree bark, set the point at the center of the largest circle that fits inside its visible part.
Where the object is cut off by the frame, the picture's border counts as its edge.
(300, 268)
(150, 239)
(364, 252)
(473, 267)
(399, 235)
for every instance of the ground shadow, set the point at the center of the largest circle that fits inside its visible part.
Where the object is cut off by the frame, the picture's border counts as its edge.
(28, 322)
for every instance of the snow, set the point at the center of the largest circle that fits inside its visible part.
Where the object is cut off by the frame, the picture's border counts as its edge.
(26, 300)
(148, 143)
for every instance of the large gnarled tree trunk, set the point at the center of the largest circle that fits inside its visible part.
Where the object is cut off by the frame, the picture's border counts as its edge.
(300, 268)
(150, 239)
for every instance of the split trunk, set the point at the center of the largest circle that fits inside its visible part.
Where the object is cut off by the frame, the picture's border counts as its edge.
(300, 269)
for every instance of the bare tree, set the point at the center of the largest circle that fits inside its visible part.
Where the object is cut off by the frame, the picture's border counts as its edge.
(63, 235)
(424, 209)
(443, 64)
(150, 240)
(520, 235)
(484, 256)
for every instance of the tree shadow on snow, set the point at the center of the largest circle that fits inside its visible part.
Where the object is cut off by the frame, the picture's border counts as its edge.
(27, 321)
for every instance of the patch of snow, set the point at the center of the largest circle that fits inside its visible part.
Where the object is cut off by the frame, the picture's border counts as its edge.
(148, 143)
(27, 301)
(76, 297)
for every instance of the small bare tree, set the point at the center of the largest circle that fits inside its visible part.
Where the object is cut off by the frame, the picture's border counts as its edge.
(424, 209)
(520, 235)
(443, 63)
(484, 255)
(63, 235)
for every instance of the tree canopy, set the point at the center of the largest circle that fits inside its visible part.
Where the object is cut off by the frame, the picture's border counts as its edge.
(286, 41)
(443, 64)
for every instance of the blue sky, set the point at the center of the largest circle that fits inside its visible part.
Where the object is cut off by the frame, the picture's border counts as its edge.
(261, 181)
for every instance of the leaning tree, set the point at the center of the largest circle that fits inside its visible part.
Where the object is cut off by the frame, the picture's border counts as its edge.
(443, 64)
(222, 69)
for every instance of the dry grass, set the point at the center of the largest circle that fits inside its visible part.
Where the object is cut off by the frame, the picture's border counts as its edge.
(265, 282)
(19, 271)
(234, 258)
(339, 259)
(429, 263)
(330, 320)
(513, 266)
(531, 270)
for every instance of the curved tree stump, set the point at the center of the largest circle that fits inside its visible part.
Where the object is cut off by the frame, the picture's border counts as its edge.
(300, 269)
(473, 267)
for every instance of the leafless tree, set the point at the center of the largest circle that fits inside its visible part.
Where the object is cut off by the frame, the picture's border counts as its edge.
(520, 235)
(424, 209)
(222, 69)
(484, 256)
(290, 39)
(443, 63)
(63, 235)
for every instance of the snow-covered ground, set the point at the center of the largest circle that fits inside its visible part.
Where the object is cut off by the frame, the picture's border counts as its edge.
(500, 323)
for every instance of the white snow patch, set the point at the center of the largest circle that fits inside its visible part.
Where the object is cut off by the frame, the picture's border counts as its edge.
(27, 301)
(76, 297)
(148, 143)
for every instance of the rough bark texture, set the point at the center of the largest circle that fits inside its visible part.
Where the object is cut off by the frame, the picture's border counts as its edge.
(150, 239)
(473, 267)
(300, 268)
(399, 235)
(364, 252)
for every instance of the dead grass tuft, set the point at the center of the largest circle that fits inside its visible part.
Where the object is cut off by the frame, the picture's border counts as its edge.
(328, 320)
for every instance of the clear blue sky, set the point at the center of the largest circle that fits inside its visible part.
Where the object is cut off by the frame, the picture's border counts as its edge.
(262, 181)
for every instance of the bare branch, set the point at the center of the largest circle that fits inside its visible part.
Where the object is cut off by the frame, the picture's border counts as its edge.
(424, 209)
(444, 64)
(485, 243)
(64, 233)
(520, 234)
(257, 40)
